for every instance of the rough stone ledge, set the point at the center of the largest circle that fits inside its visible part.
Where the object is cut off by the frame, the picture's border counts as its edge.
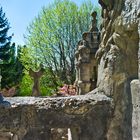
(74, 103)
(58, 112)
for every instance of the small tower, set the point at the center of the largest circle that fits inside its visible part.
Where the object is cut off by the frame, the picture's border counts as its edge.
(86, 66)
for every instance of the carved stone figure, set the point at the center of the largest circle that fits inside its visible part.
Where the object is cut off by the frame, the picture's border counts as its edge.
(94, 22)
(36, 75)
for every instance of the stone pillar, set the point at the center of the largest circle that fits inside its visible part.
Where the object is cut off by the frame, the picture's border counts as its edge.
(83, 68)
(69, 134)
(135, 91)
(86, 65)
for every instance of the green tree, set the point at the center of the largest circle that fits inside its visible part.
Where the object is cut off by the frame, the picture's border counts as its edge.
(49, 82)
(52, 38)
(10, 66)
(12, 71)
(6, 50)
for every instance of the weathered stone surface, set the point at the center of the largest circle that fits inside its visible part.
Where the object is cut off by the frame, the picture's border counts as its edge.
(6, 136)
(32, 115)
(118, 61)
(91, 116)
(86, 64)
(36, 75)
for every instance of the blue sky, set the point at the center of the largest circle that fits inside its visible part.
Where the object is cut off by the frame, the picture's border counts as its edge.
(20, 13)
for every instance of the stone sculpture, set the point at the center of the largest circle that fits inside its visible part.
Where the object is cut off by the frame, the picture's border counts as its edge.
(36, 75)
(86, 64)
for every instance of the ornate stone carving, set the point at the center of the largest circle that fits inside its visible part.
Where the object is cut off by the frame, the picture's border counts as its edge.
(86, 66)
(36, 75)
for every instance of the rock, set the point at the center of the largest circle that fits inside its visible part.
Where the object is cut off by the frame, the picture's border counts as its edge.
(135, 90)
(118, 62)
(32, 118)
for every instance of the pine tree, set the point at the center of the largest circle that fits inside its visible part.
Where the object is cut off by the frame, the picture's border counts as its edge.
(5, 40)
(12, 72)
(7, 51)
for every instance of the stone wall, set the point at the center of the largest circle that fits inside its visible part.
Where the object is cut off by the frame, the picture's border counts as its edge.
(118, 62)
(135, 84)
(112, 110)
(32, 118)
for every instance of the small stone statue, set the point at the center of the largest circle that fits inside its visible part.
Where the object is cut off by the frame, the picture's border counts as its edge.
(36, 75)
(94, 22)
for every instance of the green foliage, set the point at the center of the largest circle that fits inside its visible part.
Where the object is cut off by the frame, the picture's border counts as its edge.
(6, 50)
(48, 84)
(52, 40)
(11, 72)
(10, 67)
(25, 85)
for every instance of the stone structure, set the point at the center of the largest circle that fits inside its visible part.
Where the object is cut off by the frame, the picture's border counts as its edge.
(118, 64)
(135, 90)
(86, 65)
(36, 75)
(112, 110)
(32, 118)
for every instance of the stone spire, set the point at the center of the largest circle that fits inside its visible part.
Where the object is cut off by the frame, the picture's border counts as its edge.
(94, 22)
(86, 67)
